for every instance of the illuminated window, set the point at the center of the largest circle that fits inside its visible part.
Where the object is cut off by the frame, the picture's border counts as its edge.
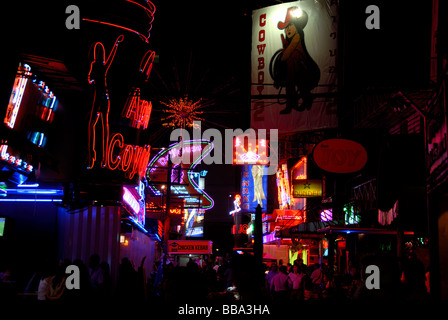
(350, 216)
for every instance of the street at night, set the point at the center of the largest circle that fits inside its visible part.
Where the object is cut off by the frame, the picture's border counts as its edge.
(243, 159)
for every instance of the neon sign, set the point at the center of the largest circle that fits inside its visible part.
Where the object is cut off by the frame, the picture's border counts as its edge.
(116, 154)
(125, 157)
(176, 211)
(270, 237)
(252, 152)
(11, 159)
(17, 94)
(40, 97)
(253, 187)
(283, 187)
(138, 110)
(134, 205)
(149, 9)
(129, 198)
(237, 204)
(161, 160)
(101, 104)
(326, 215)
(243, 229)
(306, 188)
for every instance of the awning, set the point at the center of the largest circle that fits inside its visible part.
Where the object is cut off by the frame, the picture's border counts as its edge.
(349, 229)
(319, 228)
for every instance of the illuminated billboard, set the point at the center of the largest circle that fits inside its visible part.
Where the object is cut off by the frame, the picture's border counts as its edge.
(294, 76)
(248, 150)
(194, 222)
(253, 188)
(283, 187)
(133, 201)
(29, 113)
(189, 247)
(306, 188)
(186, 184)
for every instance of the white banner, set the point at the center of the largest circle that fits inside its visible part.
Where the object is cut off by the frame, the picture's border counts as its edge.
(294, 76)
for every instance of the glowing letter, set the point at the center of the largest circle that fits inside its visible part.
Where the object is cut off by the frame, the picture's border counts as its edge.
(217, 150)
(373, 21)
(373, 280)
(73, 280)
(72, 21)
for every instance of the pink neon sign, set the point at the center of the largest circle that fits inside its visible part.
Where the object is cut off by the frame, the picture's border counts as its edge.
(134, 205)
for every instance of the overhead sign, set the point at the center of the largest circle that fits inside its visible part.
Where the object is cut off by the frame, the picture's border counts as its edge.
(30, 111)
(253, 187)
(134, 202)
(340, 155)
(294, 73)
(186, 182)
(189, 246)
(306, 188)
(299, 215)
(248, 150)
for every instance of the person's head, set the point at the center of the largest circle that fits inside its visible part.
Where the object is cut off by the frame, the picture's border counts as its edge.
(283, 269)
(274, 267)
(295, 20)
(94, 260)
(295, 268)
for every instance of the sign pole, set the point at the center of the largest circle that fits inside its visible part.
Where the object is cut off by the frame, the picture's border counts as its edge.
(166, 229)
(258, 236)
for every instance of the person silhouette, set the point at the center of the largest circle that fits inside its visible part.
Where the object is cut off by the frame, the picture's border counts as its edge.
(292, 66)
(97, 76)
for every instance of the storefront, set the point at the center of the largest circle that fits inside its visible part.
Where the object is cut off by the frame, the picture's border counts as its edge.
(73, 150)
(185, 251)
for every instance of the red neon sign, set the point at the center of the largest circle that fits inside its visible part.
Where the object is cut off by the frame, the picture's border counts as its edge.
(125, 157)
(254, 152)
(149, 8)
(176, 211)
(17, 94)
(243, 228)
(137, 110)
(116, 154)
(101, 104)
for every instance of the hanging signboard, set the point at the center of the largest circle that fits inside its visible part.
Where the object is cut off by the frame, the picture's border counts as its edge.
(294, 76)
(306, 188)
(340, 155)
(186, 183)
(189, 247)
(253, 187)
(437, 151)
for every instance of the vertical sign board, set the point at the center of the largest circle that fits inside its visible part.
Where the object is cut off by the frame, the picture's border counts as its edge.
(437, 151)
(294, 76)
(253, 187)
(29, 113)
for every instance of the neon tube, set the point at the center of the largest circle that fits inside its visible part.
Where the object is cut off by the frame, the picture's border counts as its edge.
(17, 95)
(30, 200)
(129, 198)
(118, 26)
(204, 153)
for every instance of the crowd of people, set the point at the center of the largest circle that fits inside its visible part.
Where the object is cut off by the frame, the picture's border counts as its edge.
(226, 279)
(301, 282)
(49, 282)
(397, 280)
